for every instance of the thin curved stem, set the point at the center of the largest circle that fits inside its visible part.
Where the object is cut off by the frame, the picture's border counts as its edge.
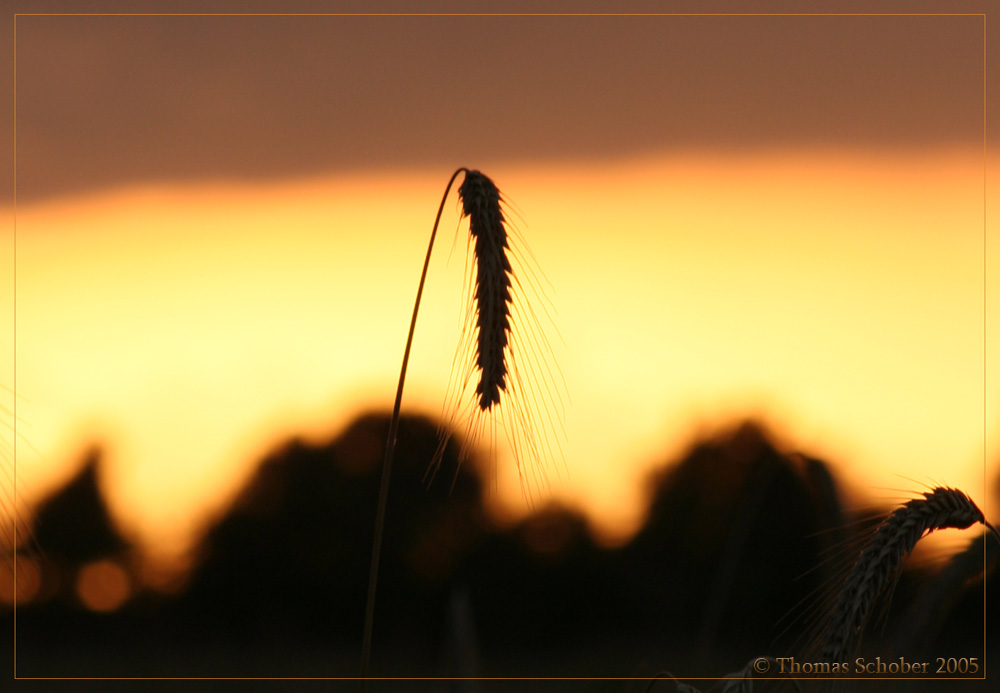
(390, 448)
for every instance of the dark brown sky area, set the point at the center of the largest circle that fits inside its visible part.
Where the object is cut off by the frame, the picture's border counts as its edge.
(109, 100)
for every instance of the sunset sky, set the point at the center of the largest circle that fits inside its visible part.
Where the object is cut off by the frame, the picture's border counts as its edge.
(220, 224)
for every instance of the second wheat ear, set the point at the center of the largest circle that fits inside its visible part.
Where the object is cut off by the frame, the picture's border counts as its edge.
(511, 369)
(877, 567)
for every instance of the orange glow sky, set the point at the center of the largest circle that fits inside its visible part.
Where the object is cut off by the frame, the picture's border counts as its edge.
(188, 329)
(221, 220)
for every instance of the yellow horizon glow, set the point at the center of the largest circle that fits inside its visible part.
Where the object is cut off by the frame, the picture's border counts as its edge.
(188, 330)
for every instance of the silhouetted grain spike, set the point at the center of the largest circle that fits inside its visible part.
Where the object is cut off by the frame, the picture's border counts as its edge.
(481, 203)
(879, 563)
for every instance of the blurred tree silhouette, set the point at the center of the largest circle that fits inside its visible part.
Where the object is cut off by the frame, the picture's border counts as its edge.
(289, 560)
(733, 534)
(72, 528)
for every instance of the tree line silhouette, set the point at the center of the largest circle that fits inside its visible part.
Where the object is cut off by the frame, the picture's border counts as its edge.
(739, 546)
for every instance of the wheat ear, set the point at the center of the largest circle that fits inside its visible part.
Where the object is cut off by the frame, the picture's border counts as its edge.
(495, 353)
(878, 566)
(504, 378)
(481, 203)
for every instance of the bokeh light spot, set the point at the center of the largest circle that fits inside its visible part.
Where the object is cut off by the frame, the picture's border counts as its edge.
(103, 586)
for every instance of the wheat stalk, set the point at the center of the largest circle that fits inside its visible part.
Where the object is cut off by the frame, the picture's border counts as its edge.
(390, 448)
(879, 563)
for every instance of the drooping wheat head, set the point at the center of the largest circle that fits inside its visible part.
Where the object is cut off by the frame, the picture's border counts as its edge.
(878, 566)
(512, 366)
(481, 203)
(504, 345)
